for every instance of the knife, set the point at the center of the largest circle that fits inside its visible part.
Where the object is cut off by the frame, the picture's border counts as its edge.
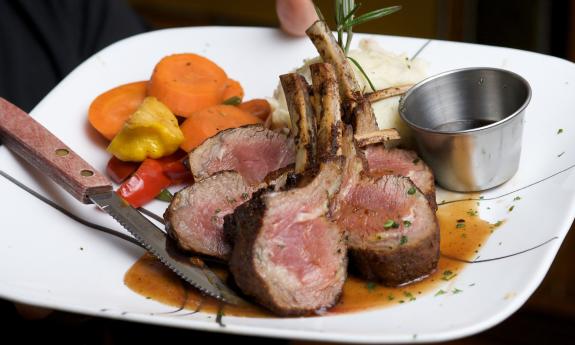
(34, 143)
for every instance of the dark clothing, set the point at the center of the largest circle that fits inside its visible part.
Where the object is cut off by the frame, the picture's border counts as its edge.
(41, 41)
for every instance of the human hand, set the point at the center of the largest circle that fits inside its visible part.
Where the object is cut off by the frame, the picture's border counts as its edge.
(295, 16)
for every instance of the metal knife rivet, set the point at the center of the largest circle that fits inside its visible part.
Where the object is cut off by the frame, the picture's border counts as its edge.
(87, 173)
(61, 152)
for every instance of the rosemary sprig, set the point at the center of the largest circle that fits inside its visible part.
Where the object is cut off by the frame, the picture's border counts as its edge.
(366, 17)
(345, 20)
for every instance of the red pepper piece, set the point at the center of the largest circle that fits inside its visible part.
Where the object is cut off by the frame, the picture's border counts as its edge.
(119, 170)
(174, 168)
(147, 182)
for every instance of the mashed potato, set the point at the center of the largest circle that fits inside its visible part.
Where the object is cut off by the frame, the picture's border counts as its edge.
(385, 69)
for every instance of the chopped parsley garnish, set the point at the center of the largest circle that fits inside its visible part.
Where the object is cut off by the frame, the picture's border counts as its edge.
(472, 212)
(390, 297)
(448, 275)
(217, 211)
(517, 198)
(370, 286)
(403, 240)
(560, 130)
(409, 295)
(460, 225)
(411, 191)
(511, 208)
(456, 291)
(235, 100)
(406, 223)
(390, 223)
(415, 161)
(496, 224)
(440, 292)
(165, 195)
(245, 196)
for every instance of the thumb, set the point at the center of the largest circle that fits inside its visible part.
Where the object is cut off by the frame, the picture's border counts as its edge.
(295, 16)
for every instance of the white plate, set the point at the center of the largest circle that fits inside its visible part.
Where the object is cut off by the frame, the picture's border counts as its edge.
(49, 260)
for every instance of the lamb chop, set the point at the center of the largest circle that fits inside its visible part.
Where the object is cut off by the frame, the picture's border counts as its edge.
(393, 230)
(287, 254)
(358, 112)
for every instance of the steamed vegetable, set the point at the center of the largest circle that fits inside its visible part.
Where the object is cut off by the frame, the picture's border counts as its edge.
(147, 182)
(233, 91)
(258, 107)
(208, 122)
(119, 170)
(151, 132)
(152, 177)
(186, 83)
(110, 110)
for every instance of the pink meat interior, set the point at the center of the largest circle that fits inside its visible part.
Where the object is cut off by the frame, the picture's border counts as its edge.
(384, 161)
(252, 157)
(303, 244)
(382, 213)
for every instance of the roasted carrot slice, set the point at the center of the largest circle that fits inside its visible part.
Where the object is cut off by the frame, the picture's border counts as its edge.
(186, 83)
(207, 122)
(110, 110)
(233, 92)
(258, 107)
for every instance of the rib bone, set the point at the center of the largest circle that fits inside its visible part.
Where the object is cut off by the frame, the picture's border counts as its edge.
(297, 92)
(331, 52)
(357, 108)
(393, 91)
(327, 107)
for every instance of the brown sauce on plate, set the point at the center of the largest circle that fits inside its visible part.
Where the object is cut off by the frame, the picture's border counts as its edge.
(463, 233)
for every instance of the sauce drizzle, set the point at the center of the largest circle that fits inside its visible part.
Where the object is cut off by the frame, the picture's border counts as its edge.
(463, 233)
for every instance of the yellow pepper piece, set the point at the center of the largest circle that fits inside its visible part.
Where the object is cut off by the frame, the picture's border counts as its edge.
(151, 132)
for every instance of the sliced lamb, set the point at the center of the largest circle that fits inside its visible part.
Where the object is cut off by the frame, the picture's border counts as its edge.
(195, 217)
(393, 161)
(253, 151)
(393, 233)
(287, 255)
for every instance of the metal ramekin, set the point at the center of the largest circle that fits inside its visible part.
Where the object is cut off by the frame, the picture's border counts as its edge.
(468, 125)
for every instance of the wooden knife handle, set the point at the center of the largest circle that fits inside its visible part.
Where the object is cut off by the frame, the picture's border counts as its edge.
(31, 141)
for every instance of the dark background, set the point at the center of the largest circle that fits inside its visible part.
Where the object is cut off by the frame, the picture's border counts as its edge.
(538, 25)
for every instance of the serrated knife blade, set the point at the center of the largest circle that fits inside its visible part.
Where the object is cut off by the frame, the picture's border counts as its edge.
(27, 138)
(155, 241)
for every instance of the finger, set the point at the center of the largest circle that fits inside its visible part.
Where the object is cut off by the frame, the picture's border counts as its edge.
(295, 16)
